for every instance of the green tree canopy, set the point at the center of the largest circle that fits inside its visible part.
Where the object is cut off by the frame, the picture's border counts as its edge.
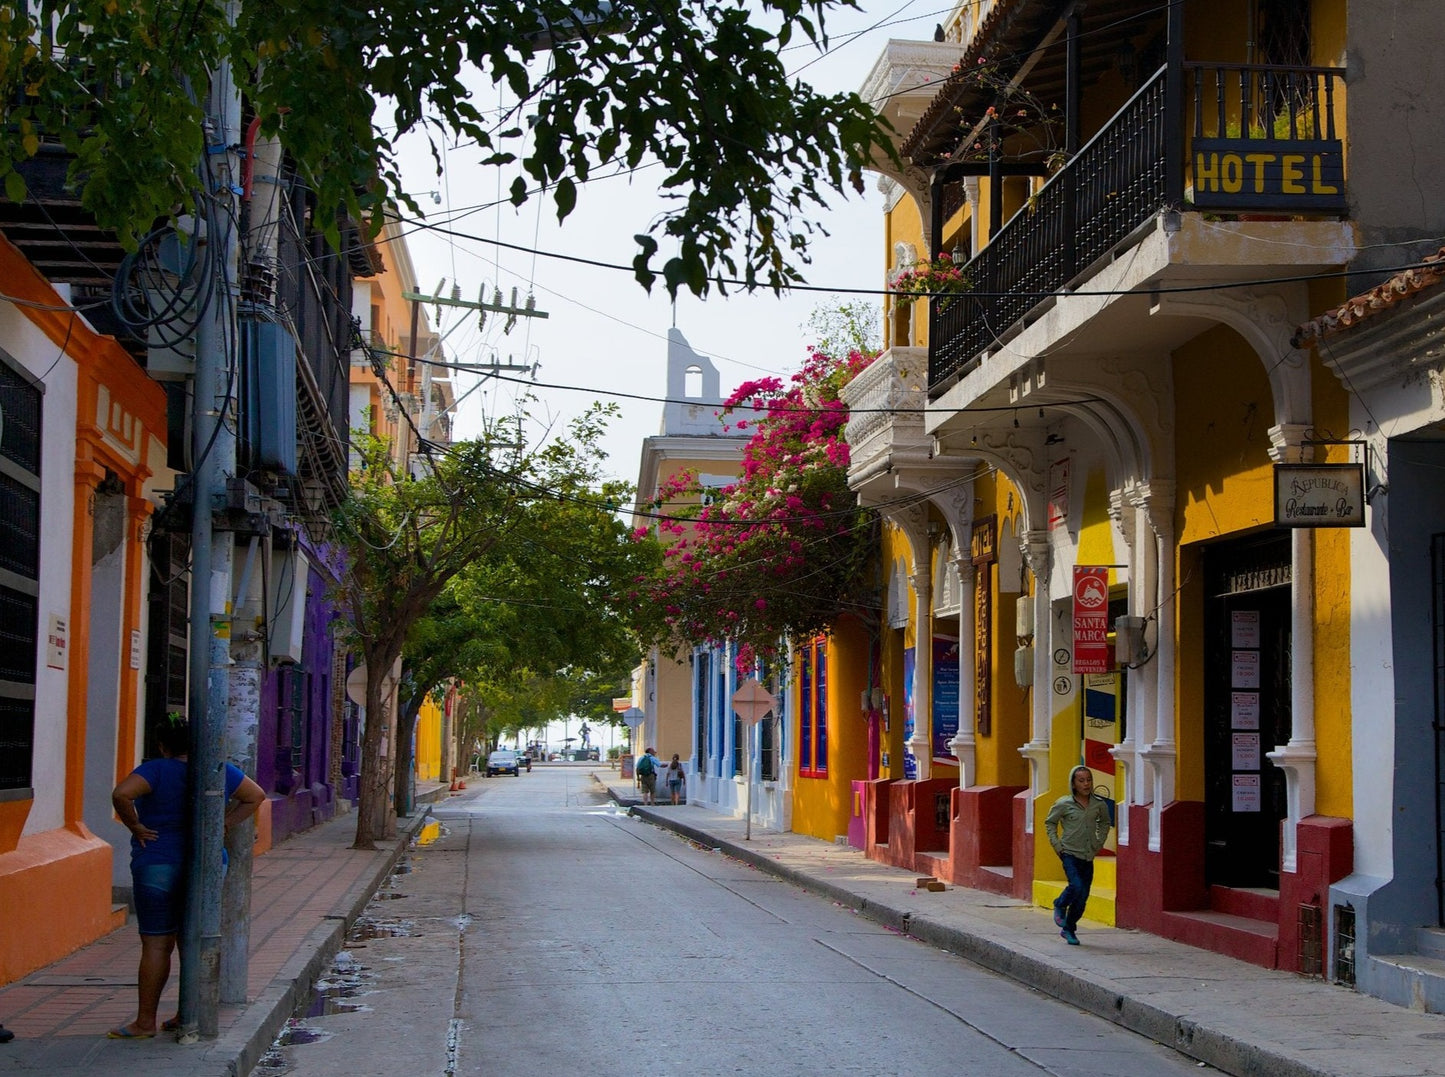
(482, 502)
(538, 628)
(696, 86)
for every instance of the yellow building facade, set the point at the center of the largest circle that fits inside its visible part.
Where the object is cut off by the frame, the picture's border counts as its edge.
(1079, 451)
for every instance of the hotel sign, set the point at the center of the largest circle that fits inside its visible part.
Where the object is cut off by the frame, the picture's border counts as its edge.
(1319, 495)
(1251, 174)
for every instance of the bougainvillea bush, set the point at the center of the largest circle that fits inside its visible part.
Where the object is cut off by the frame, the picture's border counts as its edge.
(785, 550)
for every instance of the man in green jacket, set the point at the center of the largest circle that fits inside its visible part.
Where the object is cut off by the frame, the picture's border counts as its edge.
(1077, 826)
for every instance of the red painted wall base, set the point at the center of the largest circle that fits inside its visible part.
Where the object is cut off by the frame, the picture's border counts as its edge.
(982, 838)
(1164, 892)
(1024, 847)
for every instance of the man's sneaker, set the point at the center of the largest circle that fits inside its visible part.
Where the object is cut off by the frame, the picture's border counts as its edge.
(1058, 916)
(1069, 937)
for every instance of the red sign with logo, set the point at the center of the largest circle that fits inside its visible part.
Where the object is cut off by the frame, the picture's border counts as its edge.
(1091, 619)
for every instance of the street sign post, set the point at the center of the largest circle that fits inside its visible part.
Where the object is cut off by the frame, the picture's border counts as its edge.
(632, 717)
(751, 702)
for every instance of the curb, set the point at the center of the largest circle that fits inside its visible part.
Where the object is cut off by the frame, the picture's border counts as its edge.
(1100, 998)
(243, 1046)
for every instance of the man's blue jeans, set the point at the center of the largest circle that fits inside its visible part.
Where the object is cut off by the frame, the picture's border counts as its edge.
(1080, 874)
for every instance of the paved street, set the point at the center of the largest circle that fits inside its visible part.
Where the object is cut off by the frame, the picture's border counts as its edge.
(532, 925)
(544, 931)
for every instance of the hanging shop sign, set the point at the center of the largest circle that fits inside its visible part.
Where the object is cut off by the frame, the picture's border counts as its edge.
(1319, 495)
(1091, 619)
(1252, 174)
(983, 546)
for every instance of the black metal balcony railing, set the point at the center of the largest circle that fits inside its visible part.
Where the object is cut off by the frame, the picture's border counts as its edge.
(1119, 180)
(1263, 102)
(1112, 185)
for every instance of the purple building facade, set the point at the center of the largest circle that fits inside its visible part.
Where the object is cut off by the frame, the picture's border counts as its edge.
(301, 759)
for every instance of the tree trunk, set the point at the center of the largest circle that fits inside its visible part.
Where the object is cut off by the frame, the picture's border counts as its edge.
(374, 816)
(406, 731)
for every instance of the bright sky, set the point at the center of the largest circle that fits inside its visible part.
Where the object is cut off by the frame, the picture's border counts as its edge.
(604, 335)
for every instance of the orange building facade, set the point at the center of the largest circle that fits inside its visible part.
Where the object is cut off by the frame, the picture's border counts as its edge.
(81, 453)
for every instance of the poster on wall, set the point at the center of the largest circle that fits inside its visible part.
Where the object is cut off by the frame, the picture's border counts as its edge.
(910, 717)
(1246, 793)
(1244, 710)
(1245, 751)
(945, 698)
(1244, 628)
(1244, 669)
(1101, 733)
(57, 642)
(1091, 619)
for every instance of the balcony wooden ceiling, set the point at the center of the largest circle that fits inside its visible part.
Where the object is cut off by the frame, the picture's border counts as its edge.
(1029, 36)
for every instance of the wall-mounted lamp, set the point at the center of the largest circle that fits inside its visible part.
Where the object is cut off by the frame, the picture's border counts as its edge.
(1024, 618)
(1129, 648)
(1024, 666)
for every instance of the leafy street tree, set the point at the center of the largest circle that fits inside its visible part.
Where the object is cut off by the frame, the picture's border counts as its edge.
(407, 538)
(696, 86)
(538, 621)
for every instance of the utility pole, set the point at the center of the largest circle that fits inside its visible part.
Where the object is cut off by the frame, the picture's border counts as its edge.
(213, 460)
(512, 310)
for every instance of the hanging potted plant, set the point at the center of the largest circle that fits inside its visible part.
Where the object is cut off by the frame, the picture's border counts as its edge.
(937, 279)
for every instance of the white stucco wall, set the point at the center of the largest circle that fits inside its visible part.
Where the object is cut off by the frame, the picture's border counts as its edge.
(1372, 680)
(44, 361)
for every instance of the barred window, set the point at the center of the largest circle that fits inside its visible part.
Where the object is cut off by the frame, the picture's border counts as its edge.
(813, 709)
(20, 414)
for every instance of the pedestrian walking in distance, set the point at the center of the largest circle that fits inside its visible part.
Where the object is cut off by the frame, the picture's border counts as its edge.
(151, 802)
(647, 767)
(1077, 826)
(675, 778)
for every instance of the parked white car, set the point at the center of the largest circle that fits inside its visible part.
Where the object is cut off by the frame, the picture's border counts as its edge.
(504, 761)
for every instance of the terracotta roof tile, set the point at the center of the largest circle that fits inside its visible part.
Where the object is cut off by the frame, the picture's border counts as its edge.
(1377, 300)
(955, 89)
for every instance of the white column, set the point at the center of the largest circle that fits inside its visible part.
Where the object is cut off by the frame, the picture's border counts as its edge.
(1126, 752)
(921, 743)
(1297, 758)
(1157, 512)
(1036, 550)
(965, 743)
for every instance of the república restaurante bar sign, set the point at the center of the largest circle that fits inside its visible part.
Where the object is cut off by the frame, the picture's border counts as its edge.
(1319, 495)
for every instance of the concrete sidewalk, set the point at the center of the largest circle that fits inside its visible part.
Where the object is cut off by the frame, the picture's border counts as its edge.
(1236, 1017)
(305, 893)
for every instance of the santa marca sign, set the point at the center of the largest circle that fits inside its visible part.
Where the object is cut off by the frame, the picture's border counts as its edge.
(1091, 619)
